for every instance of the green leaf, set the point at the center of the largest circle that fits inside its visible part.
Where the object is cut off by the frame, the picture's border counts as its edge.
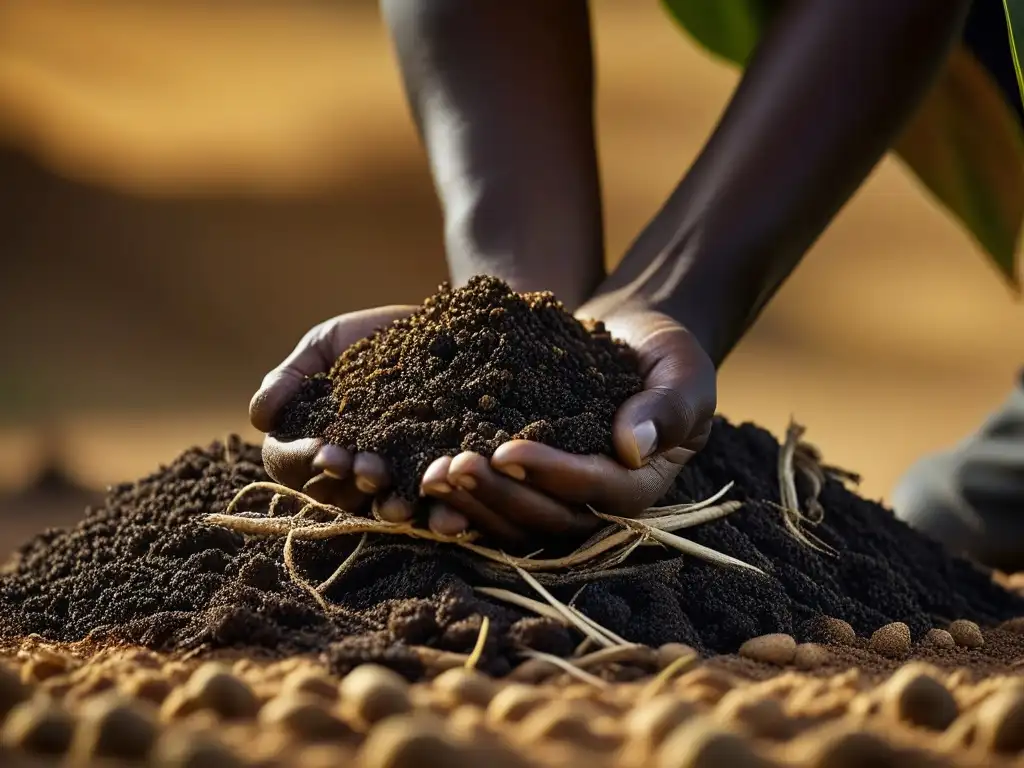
(1015, 28)
(965, 143)
(729, 29)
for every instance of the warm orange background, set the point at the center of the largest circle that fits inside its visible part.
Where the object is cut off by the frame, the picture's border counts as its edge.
(187, 189)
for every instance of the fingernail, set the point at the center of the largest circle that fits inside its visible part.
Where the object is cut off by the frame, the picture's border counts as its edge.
(645, 436)
(365, 484)
(465, 482)
(679, 455)
(512, 470)
(434, 489)
(392, 510)
(332, 473)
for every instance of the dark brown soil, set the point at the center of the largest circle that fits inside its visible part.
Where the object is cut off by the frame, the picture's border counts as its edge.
(470, 370)
(143, 568)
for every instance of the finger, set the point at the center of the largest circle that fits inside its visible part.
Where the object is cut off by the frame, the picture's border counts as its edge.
(514, 501)
(290, 462)
(674, 410)
(596, 480)
(371, 473)
(446, 521)
(315, 353)
(280, 385)
(393, 509)
(435, 479)
(435, 484)
(338, 493)
(333, 460)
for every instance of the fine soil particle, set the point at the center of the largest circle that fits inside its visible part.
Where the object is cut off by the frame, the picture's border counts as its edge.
(471, 369)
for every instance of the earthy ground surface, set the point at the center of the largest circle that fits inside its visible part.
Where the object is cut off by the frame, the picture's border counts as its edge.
(143, 636)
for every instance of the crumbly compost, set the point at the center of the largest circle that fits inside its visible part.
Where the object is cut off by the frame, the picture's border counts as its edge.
(143, 568)
(471, 369)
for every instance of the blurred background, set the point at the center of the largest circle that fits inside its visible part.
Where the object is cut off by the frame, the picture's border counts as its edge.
(186, 188)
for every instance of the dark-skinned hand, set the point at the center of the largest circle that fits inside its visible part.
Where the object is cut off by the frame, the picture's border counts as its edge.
(328, 473)
(528, 489)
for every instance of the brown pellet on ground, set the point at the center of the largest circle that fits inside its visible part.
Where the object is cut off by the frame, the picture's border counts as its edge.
(215, 687)
(811, 656)
(12, 690)
(966, 634)
(110, 726)
(411, 741)
(892, 640)
(304, 716)
(832, 631)
(560, 721)
(915, 695)
(311, 683)
(514, 702)
(776, 649)
(699, 743)
(370, 693)
(999, 722)
(842, 746)
(38, 726)
(938, 638)
(187, 748)
(465, 686)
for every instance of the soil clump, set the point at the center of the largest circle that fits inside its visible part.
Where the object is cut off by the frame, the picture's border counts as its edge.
(473, 368)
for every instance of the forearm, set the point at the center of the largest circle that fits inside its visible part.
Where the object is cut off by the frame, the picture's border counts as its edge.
(826, 93)
(502, 94)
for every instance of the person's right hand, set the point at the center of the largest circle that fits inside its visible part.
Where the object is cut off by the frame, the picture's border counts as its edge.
(338, 477)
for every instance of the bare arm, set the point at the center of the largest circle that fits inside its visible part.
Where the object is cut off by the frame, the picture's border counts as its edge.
(502, 93)
(824, 96)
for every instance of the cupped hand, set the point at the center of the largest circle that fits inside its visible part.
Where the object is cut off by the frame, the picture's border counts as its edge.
(531, 488)
(328, 473)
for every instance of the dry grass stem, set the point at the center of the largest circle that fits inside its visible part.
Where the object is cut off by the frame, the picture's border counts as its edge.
(569, 667)
(514, 598)
(792, 515)
(345, 564)
(673, 509)
(658, 683)
(481, 642)
(690, 519)
(569, 614)
(632, 653)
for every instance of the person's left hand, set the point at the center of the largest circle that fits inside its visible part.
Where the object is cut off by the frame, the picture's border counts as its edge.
(531, 488)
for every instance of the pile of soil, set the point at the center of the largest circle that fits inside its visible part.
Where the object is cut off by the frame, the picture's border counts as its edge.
(471, 369)
(144, 568)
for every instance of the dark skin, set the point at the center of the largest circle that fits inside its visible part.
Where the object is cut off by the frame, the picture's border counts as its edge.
(502, 94)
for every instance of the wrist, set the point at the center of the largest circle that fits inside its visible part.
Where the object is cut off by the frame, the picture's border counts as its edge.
(712, 291)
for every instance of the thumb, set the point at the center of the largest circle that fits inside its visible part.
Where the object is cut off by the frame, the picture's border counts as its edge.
(316, 353)
(283, 382)
(675, 409)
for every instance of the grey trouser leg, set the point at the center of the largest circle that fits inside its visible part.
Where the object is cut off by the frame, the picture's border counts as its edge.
(971, 498)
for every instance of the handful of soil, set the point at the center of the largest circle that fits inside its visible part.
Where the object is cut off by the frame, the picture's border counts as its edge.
(473, 368)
